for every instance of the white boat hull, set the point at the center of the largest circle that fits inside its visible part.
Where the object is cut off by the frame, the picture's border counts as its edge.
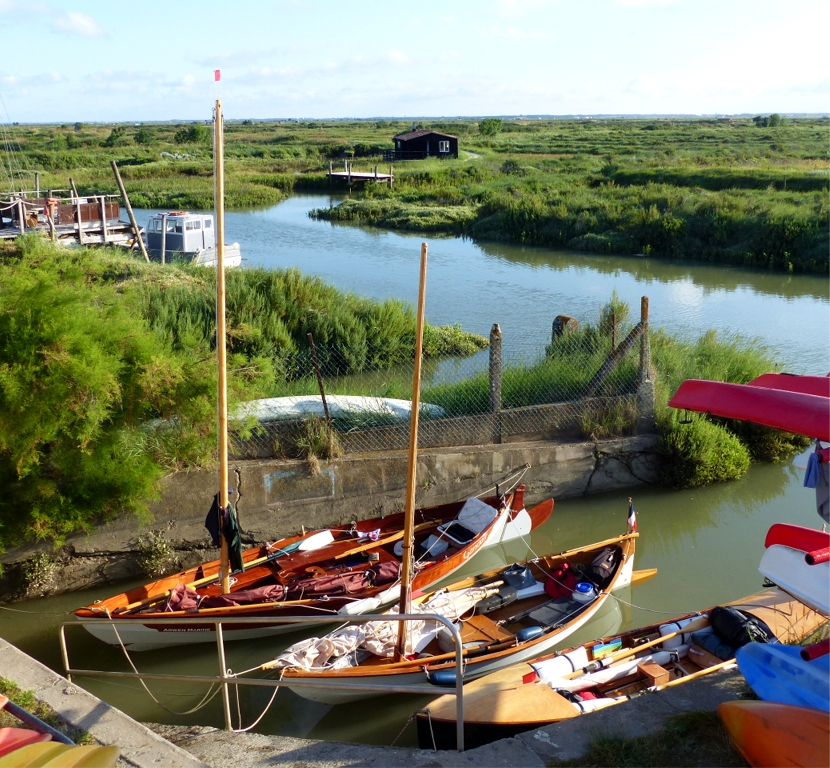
(208, 258)
(145, 637)
(808, 583)
(351, 691)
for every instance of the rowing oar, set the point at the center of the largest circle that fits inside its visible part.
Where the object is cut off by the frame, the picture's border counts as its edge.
(692, 626)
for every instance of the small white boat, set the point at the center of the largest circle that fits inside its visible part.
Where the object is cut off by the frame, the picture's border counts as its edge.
(184, 236)
(797, 559)
(304, 406)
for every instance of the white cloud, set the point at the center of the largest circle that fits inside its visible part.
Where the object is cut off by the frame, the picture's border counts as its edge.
(39, 14)
(79, 24)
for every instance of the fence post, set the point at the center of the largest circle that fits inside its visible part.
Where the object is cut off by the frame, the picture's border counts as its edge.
(319, 377)
(495, 380)
(645, 357)
(646, 421)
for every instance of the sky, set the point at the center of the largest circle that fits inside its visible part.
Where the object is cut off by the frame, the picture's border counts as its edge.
(103, 60)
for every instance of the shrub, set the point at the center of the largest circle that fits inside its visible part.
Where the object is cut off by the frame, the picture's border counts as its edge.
(699, 453)
(192, 134)
(490, 126)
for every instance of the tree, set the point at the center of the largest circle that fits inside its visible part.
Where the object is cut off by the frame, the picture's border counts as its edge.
(144, 137)
(490, 126)
(81, 374)
(116, 138)
(192, 134)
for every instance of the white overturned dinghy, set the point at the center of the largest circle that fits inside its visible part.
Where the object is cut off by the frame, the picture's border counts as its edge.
(797, 559)
(500, 624)
(340, 406)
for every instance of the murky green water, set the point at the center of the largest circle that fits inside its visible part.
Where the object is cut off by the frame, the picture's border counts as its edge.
(706, 543)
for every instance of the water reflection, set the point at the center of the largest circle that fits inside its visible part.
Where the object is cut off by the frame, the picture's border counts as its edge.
(523, 289)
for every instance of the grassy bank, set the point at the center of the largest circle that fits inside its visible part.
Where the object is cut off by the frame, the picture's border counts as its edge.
(95, 346)
(689, 740)
(731, 191)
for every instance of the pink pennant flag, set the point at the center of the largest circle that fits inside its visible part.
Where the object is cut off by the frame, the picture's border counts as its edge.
(217, 75)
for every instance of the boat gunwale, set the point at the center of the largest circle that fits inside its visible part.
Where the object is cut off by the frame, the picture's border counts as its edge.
(626, 543)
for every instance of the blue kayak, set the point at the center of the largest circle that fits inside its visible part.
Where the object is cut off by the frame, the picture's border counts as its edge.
(778, 673)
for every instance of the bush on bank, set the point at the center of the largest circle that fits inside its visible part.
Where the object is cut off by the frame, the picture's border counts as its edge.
(108, 375)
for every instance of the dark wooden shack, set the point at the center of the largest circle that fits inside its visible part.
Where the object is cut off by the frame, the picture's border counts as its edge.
(416, 145)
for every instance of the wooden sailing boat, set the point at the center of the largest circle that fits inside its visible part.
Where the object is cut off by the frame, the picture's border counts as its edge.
(344, 569)
(517, 623)
(498, 628)
(616, 668)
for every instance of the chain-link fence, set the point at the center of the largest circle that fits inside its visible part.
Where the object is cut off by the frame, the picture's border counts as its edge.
(583, 384)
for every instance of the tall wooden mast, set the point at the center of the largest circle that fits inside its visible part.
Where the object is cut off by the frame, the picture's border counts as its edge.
(409, 513)
(221, 348)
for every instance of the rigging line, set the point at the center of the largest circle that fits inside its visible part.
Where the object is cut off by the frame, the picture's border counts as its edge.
(522, 471)
(264, 711)
(35, 613)
(7, 142)
(206, 699)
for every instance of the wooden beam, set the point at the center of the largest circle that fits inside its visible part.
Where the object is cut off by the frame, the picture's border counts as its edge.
(133, 222)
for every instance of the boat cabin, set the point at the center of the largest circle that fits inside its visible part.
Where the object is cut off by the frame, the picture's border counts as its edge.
(179, 233)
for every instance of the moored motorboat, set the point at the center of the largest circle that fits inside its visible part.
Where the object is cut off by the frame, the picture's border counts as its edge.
(604, 672)
(181, 236)
(504, 616)
(340, 570)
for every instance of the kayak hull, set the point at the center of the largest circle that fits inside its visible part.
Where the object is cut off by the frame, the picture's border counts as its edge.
(777, 673)
(771, 735)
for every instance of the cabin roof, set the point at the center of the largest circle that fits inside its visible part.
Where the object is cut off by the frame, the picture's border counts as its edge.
(422, 132)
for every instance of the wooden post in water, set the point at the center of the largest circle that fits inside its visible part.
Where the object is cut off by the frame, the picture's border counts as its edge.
(495, 380)
(409, 509)
(221, 349)
(645, 356)
(123, 190)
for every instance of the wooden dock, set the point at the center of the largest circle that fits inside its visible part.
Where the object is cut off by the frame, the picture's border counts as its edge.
(69, 218)
(351, 177)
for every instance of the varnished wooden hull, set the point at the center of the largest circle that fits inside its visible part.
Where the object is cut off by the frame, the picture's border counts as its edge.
(505, 653)
(138, 635)
(502, 704)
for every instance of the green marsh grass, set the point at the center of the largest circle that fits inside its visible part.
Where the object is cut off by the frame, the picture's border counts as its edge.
(727, 191)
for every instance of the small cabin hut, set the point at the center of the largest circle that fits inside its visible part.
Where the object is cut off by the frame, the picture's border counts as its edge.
(422, 143)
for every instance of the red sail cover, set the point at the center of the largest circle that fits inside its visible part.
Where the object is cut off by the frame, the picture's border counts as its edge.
(809, 385)
(796, 412)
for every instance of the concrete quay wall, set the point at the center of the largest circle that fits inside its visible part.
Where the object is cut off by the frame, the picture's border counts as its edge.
(278, 498)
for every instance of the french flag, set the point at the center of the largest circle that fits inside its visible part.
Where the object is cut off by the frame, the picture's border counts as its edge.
(632, 515)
